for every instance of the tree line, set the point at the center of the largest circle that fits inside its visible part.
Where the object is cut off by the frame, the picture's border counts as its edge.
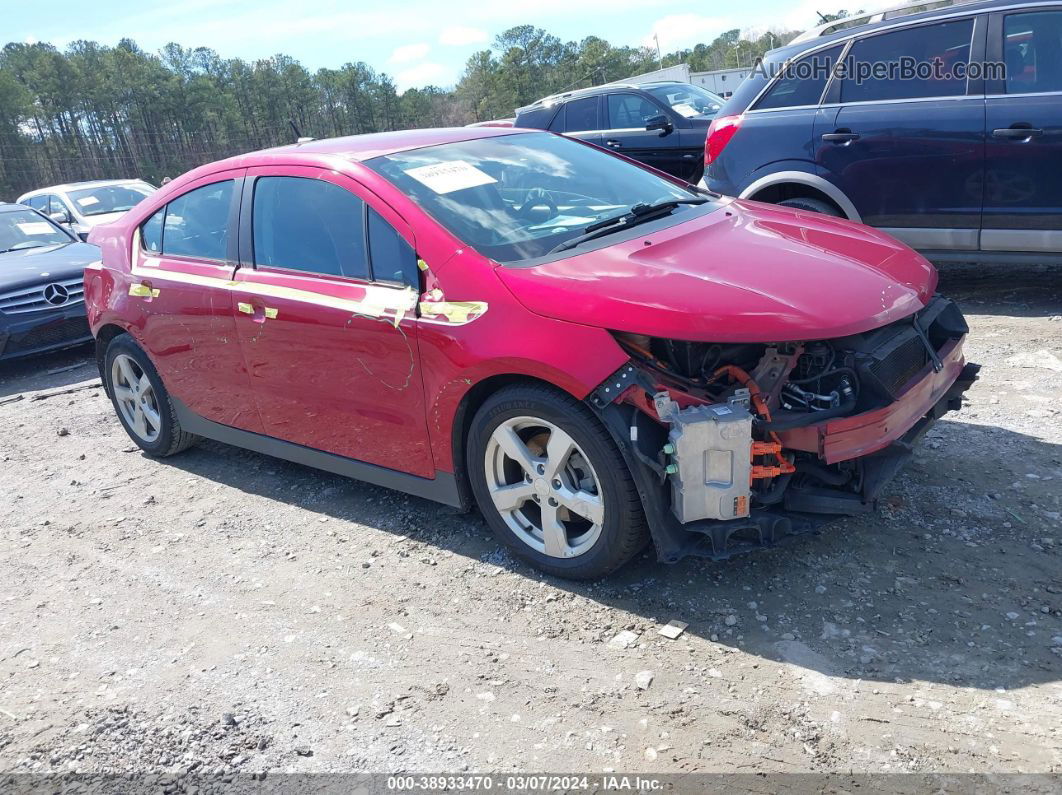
(95, 111)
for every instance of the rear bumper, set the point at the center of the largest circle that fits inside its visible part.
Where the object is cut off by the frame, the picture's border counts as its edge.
(859, 435)
(40, 332)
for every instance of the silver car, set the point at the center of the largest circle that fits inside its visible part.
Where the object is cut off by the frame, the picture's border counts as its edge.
(83, 205)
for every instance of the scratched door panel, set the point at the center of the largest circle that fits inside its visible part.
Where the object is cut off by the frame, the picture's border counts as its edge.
(333, 370)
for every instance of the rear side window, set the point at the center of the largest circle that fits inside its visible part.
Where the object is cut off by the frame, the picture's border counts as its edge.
(1032, 52)
(38, 203)
(581, 115)
(393, 259)
(197, 223)
(875, 66)
(630, 111)
(802, 82)
(309, 225)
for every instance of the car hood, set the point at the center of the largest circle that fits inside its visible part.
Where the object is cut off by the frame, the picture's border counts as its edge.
(747, 272)
(45, 264)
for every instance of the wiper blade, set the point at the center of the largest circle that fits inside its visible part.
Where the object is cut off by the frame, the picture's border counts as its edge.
(637, 214)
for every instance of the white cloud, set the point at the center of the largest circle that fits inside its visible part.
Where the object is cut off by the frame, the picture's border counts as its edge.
(462, 36)
(684, 30)
(421, 75)
(409, 52)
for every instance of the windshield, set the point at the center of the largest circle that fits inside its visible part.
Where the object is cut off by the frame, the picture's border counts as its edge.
(688, 100)
(22, 229)
(110, 198)
(517, 197)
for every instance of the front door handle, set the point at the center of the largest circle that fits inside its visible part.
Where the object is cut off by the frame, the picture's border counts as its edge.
(841, 136)
(258, 314)
(613, 143)
(1018, 132)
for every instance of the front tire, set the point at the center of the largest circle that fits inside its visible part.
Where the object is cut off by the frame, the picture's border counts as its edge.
(141, 401)
(552, 485)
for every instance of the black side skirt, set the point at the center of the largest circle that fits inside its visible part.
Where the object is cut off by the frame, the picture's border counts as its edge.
(442, 488)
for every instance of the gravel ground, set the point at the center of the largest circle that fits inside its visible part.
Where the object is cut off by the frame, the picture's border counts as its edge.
(223, 613)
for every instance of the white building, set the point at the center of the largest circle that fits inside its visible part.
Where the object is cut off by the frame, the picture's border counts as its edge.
(721, 81)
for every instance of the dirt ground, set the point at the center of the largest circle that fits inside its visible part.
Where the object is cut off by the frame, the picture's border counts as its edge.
(224, 613)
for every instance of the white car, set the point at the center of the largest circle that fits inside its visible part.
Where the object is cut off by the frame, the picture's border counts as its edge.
(83, 205)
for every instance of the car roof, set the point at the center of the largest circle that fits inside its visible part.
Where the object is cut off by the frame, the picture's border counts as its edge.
(895, 16)
(576, 93)
(364, 147)
(67, 186)
(6, 207)
(326, 152)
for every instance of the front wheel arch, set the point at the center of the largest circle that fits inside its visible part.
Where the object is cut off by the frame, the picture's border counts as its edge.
(470, 403)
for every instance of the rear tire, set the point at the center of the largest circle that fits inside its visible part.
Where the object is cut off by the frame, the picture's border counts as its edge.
(141, 401)
(552, 485)
(811, 205)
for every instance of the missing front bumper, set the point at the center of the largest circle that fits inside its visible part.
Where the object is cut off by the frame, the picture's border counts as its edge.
(899, 427)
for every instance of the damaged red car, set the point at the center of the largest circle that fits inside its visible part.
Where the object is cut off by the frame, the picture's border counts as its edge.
(595, 354)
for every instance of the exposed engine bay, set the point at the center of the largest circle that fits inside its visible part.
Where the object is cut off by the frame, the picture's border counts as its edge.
(768, 435)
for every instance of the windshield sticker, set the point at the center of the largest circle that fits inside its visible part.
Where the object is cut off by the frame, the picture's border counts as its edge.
(35, 228)
(88, 201)
(451, 176)
(684, 109)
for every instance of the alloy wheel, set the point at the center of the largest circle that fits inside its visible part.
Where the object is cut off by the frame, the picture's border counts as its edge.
(544, 488)
(136, 398)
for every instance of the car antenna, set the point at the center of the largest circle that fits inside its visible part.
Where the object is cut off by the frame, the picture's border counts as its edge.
(299, 137)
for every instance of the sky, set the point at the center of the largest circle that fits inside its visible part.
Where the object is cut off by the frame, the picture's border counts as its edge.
(417, 42)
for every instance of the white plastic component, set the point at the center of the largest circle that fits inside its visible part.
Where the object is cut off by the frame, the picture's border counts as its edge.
(712, 456)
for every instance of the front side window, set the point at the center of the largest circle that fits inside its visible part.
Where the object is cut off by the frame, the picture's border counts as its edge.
(516, 197)
(308, 225)
(1032, 52)
(628, 111)
(581, 115)
(393, 259)
(22, 229)
(927, 61)
(802, 82)
(197, 223)
(687, 100)
(109, 198)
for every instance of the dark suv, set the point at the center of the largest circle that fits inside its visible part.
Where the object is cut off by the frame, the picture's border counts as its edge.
(660, 124)
(962, 167)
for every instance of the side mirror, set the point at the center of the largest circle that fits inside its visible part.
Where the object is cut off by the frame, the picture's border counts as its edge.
(60, 216)
(661, 122)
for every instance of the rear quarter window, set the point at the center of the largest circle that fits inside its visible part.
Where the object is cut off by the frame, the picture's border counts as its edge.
(536, 118)
(802, 82)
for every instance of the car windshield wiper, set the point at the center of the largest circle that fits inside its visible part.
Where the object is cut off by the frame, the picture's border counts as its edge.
(637, 214)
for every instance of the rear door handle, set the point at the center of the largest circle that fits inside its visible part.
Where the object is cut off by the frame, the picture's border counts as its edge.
(1017, 133)
(613, 143)
(840, 137)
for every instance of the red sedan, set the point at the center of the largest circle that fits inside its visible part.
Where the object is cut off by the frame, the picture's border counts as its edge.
(594, 353)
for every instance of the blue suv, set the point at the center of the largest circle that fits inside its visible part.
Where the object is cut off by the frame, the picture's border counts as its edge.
(960, 156)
